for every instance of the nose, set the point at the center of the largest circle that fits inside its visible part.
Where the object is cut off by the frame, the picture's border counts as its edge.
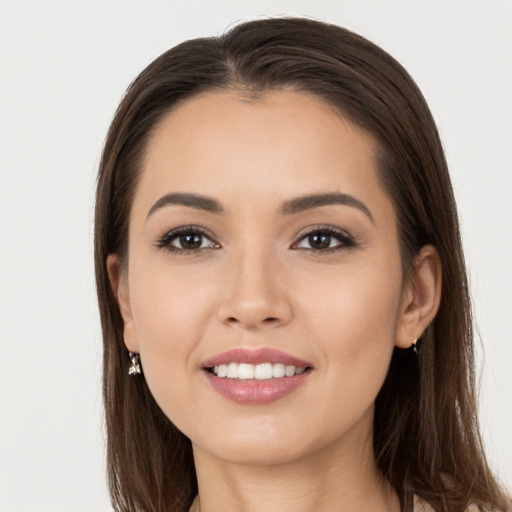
(254, 294)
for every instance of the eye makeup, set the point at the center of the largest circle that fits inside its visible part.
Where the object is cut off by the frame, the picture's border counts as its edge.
(192, 239)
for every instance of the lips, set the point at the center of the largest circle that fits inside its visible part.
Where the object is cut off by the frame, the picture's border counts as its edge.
(259, 356)
(255, 376)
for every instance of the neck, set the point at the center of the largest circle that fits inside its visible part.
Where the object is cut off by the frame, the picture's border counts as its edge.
(339, 477)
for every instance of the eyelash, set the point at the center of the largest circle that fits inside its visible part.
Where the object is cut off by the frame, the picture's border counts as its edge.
(346, 240)
(164, 242)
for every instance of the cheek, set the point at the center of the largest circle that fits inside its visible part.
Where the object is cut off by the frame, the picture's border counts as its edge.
(169, 303)
(354, 323)
(358, 303)
(170, 311)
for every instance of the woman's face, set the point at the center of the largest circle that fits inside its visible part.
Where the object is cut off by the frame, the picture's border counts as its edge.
(261, 239)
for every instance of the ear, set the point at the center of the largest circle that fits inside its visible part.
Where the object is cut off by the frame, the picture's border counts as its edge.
(119, 283)
(421, 297)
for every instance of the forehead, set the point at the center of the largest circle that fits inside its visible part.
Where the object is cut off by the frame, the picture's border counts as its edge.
(283, 142)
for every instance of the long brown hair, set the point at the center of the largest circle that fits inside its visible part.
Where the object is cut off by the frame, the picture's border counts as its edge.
(426, 438)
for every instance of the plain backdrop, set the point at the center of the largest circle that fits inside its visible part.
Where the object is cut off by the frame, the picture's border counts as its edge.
(63, 68)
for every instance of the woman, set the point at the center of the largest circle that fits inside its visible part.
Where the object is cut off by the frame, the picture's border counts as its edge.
(284, 302)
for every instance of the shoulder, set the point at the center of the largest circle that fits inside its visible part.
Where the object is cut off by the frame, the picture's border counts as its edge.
(422, 506)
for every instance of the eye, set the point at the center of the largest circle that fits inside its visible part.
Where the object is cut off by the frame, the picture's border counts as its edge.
(186, 240)
(328, 239)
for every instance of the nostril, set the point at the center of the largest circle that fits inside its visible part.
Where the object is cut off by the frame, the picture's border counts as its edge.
(269, 321)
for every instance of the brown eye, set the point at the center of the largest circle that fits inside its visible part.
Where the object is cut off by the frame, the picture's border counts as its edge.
(186, 241)
(327, 239)
(319, 241)
(190, 241)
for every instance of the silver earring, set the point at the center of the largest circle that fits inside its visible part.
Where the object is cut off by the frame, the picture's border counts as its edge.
(135, 368)
(415, 346)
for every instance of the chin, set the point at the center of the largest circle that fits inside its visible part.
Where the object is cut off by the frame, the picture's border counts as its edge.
(255, 453)
(265, 444)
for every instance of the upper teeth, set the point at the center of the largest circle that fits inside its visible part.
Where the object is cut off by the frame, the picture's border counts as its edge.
(256, 371)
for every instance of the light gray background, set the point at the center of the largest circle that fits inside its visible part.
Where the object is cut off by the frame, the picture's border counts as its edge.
(63, 68)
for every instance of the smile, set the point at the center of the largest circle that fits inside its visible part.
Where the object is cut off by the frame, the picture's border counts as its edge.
(255, 377)
(245, 371)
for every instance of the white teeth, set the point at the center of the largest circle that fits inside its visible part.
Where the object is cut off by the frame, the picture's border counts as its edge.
(232, 371)
(262, 371)
(221, 370)
(289, 371)
(246, 371)
(278, 370)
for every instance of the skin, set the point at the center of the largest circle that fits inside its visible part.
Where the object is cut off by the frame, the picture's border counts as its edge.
(256, 282)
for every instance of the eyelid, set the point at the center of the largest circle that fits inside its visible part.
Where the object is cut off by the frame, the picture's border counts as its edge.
(346, 239)
(164, 241)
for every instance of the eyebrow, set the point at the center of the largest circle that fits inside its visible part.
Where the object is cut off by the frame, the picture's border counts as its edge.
(289, 207)
(192, 200)
(308, 202)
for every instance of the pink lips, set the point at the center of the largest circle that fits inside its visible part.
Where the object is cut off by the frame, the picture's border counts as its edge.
(255, 391)
(259, 356)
